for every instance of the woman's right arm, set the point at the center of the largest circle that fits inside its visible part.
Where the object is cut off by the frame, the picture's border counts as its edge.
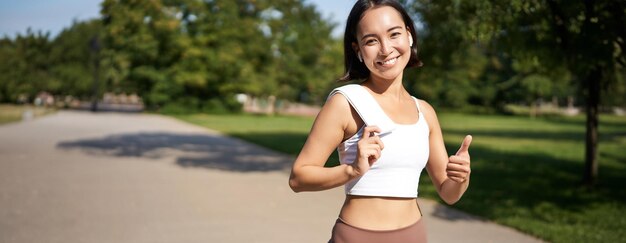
(329, 129)
(308, 172)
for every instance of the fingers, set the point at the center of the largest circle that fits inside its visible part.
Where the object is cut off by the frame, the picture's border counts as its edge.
(464, 149)
(453, 169)
(460, 160)
(371, 148)
(369, 136)
(378, 141)
(370, 145)
(372, 152)
(369, 130)
(457, 179)
(460, 172)
(458, 168)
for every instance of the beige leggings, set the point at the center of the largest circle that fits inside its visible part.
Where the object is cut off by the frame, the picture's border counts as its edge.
(345, 233)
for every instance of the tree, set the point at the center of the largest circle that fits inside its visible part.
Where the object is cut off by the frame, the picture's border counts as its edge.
(70, 58)
(537, 82)
(25, 65)
(587, 38)
(188, 54)
(305, 58)
(143, 37)
(200, 53)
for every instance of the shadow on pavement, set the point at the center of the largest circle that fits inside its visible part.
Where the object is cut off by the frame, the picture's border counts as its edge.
(451, 214)
(189, 150)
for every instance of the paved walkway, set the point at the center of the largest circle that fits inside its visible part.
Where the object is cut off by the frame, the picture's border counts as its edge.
(112, 177)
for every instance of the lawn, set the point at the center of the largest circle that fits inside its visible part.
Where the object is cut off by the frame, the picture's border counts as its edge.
(13, 113)
(526, 173)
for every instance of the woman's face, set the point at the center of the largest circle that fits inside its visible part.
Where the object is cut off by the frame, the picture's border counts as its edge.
(383, 42)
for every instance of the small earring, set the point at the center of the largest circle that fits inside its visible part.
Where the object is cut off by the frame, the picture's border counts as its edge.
(359, 56)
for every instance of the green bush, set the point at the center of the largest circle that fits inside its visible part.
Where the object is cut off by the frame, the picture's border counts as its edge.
(222, 106)
(190, 105)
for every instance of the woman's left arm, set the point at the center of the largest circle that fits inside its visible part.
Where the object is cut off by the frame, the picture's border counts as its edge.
(450, 175)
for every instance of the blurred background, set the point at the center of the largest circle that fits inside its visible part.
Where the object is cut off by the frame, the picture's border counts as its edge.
(174, 56)
(540, 84)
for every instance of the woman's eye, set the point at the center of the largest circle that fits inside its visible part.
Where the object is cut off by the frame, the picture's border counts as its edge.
(370, 42)
(395, 34)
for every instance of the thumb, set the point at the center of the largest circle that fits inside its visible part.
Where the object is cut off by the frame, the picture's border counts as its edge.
(465, 145)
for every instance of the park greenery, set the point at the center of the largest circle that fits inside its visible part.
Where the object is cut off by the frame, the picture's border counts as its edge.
(190, 55)
(481, 57)
(181, 54)
(525, 172)
(549, 46)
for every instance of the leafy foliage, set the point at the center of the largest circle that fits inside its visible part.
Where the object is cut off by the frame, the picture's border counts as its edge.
(512, 51)
(184, 54)
(199, 54)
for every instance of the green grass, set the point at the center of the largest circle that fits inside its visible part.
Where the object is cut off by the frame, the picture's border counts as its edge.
(14, 113)
(285, 134)
(526, 173)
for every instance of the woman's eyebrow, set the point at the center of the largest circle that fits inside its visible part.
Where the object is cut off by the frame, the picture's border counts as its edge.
(389, 30)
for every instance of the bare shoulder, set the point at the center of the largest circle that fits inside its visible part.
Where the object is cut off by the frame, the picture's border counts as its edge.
(336, 111)
(337, 101)
(429, 113)
(336, 105)
(428, 110)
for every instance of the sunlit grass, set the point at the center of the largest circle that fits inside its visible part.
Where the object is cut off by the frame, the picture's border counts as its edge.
(280, 133)
(14, 113)
(526, 173)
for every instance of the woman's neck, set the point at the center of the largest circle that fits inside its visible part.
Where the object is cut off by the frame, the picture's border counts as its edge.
(389, 88)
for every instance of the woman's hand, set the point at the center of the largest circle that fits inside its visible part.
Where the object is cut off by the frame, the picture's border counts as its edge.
(369, 148)
(458, 168)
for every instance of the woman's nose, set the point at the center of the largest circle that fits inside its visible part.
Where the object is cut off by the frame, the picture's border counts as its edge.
(385, 48)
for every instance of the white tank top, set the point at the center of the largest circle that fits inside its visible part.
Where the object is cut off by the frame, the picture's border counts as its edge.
(396, 173)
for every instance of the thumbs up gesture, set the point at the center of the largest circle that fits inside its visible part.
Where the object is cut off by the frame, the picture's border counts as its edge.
(458, 168)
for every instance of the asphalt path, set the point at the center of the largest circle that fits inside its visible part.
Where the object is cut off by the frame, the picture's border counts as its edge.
(121, 177)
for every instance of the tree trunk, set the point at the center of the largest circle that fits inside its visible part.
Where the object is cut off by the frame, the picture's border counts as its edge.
(591, 142)
(95, 49)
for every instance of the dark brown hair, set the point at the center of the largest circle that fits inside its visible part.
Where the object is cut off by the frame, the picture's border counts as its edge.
(355, 69)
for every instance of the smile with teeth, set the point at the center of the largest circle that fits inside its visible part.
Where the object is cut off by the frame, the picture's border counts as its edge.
(389, 62)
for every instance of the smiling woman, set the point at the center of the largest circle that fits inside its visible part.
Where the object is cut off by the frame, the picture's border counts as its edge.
(396, 38)
(384, 136)
(384, 40)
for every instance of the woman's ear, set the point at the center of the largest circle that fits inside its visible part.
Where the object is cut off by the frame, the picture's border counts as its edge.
(355, 47)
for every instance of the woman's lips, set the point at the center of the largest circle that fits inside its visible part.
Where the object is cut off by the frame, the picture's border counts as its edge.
(388, 63)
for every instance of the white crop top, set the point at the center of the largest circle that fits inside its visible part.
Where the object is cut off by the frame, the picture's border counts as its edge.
(396, 173)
